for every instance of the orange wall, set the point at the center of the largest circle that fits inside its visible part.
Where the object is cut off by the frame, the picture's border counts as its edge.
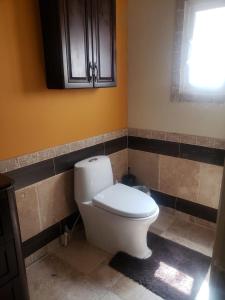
(33, 117)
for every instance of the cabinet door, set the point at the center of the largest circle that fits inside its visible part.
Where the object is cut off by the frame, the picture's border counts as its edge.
(8, 263)
(12, 291)
(104, 42)
(75, 21)
(6, 231)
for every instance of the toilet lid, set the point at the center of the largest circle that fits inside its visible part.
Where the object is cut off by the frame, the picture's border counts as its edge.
(126, 201)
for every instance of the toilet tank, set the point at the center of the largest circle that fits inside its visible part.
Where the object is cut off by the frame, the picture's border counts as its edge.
(91, 176)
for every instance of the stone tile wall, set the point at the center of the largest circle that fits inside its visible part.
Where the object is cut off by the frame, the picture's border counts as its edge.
(186, 179)
(46, 202)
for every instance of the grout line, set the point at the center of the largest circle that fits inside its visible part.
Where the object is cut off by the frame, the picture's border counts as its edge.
(104, 148)
(54, 165)
(199, 182)
(39, 208)
(159, 171)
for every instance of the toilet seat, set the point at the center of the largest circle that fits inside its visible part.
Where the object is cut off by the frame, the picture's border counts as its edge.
(126, 201)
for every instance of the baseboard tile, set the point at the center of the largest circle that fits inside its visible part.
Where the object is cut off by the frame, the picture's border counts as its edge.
(185, 206)
(46, 236)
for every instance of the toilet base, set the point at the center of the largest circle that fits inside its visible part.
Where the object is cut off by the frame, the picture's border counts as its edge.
(114, 233)
(149, 254)
(138, 253)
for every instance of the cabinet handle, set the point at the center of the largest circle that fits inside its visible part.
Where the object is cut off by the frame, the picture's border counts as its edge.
(95, 72)
(90, 72)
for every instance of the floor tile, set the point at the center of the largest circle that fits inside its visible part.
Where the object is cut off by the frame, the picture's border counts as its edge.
(127, 289)
(191, 235)
(52, 278)
(80, 271)
(75, 288)
(82, 256)
(110, 296)
(105, 276)
(48, 275)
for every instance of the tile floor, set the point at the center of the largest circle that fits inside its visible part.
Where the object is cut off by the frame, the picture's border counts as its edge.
(81, 271)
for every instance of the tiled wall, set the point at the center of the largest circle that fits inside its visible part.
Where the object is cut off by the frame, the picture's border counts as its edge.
(49, 201)
(45, 203)
(190, 180)
(119, 161)
(44, 180)
(183, 166)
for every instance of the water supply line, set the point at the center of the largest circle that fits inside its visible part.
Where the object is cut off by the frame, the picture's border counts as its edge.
(67, 233)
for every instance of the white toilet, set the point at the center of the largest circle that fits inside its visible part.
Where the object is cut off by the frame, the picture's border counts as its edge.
(116, 217)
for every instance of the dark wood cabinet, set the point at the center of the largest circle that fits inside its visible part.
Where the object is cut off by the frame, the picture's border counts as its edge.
(11, 291)
(76, 40)
(13, 282)
(104, 41)
(79, 43)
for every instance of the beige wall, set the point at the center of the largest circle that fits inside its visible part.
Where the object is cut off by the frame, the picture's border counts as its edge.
(150, 35)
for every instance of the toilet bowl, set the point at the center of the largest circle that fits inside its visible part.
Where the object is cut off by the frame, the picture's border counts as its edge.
(116, 217)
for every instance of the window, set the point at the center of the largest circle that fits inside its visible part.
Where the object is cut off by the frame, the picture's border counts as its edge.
(200, 73)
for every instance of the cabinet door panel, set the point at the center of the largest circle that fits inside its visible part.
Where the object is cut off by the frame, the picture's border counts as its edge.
(6, 231)
(104, 36)
(12, 291)
(77, 43)
(8, 263)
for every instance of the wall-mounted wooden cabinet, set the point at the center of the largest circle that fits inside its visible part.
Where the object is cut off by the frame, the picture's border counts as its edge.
(79, 43)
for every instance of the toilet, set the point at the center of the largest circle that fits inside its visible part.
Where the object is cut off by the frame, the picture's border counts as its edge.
(116, 217)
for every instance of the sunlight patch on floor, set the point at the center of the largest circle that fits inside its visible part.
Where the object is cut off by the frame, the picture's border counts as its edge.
(174, 278)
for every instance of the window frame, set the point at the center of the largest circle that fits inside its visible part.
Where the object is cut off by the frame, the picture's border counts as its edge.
(181, 90)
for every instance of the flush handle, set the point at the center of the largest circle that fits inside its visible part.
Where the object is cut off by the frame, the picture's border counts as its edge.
(92, 159)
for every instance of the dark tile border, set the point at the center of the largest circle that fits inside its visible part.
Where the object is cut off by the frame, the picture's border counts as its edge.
(31, 174)
(115, 145)
(202, 154)
(164, 199)
(66, 162)
(154, 146)
(43, 238)
(192, 152)
(197, 210)
(34, 173)
(188, 207)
